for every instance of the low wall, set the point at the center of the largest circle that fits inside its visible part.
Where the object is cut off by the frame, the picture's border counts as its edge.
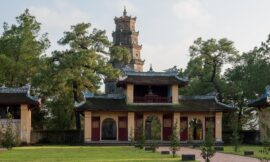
(16, 125)
(57, 137)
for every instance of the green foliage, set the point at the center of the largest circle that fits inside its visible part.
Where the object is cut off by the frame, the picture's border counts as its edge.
(266, 142)
(8, 140)
(119, 56)
(155, 134)
(236, 139)
(21, 47)
(204, 67)
(175, 142)
(140, 137)
(81, 67)
(207, 149)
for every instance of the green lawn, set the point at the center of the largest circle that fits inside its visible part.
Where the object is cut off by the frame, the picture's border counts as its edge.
(82, 154)
(256, 149)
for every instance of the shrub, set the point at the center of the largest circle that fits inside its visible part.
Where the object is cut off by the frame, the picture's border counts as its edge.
(175, 143)
(8, 140)
(207, 149)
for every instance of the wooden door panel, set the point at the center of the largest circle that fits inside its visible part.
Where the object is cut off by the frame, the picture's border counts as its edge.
(95, 128)
(122, 129)
(184, 128)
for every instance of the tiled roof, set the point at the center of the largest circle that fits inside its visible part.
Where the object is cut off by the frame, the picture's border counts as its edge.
(17, 95)
(263, 100)
(151, 77)
(119, 104)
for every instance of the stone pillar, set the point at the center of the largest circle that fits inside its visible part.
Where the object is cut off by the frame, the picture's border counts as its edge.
(175, 94)
(176, 119)
(25, 124)
(87, 126)
(218, 123)
(130, 93)
(131, 125)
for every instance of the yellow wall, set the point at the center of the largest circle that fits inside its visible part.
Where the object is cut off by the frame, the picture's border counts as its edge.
(175, 94)
(218, 126)
(130, 93)
(25, 124)
(87, 126)
(131, 121)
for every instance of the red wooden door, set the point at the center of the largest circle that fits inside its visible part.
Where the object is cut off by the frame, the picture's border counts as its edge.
(184, 128)
(167, 126)
(95, 128)
(208, 121)
(122, 129)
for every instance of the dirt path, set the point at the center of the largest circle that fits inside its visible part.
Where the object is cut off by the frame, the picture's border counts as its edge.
(219, 157)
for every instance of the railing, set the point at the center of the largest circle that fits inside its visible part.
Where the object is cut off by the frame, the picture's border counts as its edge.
(152, 99)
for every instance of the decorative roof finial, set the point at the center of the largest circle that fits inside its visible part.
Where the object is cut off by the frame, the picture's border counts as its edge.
(125, 11)
(151, 68)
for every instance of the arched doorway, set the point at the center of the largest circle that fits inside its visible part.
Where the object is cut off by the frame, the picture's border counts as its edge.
(196, 129)
(109, 129)
(152, 128)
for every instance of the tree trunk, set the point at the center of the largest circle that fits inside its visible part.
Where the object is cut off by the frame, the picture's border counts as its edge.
(76, 99)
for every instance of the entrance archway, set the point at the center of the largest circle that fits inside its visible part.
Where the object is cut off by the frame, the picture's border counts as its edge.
(109, 130)
(196, 129)
(152, 128)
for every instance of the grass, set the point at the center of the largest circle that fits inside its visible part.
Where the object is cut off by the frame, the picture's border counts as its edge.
(82, 154)
(256, 149)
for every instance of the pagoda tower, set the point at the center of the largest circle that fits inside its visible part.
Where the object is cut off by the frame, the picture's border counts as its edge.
(125, 35)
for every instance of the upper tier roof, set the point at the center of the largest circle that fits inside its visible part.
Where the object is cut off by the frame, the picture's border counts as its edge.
(152, 78)
(186, 104)
(17, 95)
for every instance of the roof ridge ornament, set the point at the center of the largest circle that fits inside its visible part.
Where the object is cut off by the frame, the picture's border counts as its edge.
(151, 68)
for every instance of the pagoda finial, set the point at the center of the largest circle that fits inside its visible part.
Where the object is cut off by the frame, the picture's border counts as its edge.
(125, 11)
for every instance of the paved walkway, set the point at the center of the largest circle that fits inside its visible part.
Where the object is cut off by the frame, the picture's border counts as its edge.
(219, 157)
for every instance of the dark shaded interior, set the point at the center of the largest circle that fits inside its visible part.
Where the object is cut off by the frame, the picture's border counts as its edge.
(14, 110)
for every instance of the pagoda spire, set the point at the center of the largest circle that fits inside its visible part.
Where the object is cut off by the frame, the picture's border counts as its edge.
(125, 11)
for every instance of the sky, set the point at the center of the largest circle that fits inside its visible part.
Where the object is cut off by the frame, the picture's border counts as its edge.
(167, 27)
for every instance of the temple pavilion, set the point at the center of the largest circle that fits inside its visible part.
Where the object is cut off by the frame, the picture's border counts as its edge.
(19, 103)
(137, 98)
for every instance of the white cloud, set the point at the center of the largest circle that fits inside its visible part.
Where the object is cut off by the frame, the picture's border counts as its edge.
(192, 12)
(61, 16)
(164, 56)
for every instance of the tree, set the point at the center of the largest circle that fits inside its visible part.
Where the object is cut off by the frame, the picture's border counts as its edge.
(245, 80)
(235, 139)
(81, 67)
(207, 149)
(175, 143)
(140, 136)
(155, 132)
(21, 46)
(8, 140)
(204, 68)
